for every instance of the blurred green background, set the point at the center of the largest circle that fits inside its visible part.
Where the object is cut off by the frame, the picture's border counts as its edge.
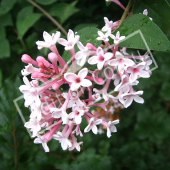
(143, 137)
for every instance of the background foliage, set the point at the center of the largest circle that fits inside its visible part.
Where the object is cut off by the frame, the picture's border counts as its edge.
(142, 140)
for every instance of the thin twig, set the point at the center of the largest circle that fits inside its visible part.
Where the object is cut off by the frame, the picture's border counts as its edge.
(49, 16)
(125, 12)
(133, 7)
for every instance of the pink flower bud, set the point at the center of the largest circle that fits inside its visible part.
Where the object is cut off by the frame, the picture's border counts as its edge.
(27, 59)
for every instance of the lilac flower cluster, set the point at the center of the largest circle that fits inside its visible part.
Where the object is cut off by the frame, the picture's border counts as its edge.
(57, 114)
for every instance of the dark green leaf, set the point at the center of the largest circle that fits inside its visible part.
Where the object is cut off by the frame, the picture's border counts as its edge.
(0, 78)
(155, 38)
(46, 2)
(4, 44)
(159, 11)
(6, 20)
(25, 20)
(63, 11)
(6, 5)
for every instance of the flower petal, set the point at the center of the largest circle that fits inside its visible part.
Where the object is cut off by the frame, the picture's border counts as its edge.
(83, 73)
(86, 83)
(70, 77)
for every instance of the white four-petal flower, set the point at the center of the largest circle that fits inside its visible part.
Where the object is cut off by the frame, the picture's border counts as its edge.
(48, 40)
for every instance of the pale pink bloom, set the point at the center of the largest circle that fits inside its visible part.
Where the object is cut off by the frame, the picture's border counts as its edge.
(74, 99)
(29, 69)
(48, 40)
(81, 55)
(36, 111)
(127, 98)
(43, 142)
(104, 93)
(116, 78)
(59, 113)
(96, 97)
(111, 127)
(100, 59)
(76, 114)
(75, 144)
(34, 126)
(71, 40)
(77, 131)
(92, 125)
(78, 80)
(102, 36)
(65, 142)
(138, 70)
(117, 38)
(124, 85)
(121, 62)
(29, 92)
(108, 25)
(145, 12)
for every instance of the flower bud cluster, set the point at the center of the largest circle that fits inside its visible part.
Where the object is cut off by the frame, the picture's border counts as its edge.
(56, 113)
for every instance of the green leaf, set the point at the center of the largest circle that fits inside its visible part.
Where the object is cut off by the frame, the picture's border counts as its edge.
(46, 2)
(155, 38)
(6, 20)
(4, 44)
(6, 5)
(63, 11)
(8, 93)
(89, 35)
(25, 20)
(160, 15)
(0, 78)
(81, 26)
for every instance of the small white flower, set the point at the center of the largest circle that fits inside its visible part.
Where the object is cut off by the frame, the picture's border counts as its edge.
(71, 40)
(48, 40)
(111, 127)
(92, 125)
(117, 38)
(44, 144)
(65, 142)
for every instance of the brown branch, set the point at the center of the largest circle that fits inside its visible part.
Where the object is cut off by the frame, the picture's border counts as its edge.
(49, 16)
(125, 13)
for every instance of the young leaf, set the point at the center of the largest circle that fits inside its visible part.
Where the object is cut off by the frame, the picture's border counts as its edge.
(26, 19)
(6, 5)
(155, 38)
(63, 11)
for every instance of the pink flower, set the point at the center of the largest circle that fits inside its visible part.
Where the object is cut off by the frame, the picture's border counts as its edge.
(102, 36)
(127, 98)
(111, 127)
(74, 143)
(121, 62)
(108, 25)
(49, 40)
(76, 114)
(100, 59)
(78, 80)
(92, 125)
(138, 70)
(71, 40)
(43, 142)
(65, 142)
(34, 125)
(117, 38)
(81, 55)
